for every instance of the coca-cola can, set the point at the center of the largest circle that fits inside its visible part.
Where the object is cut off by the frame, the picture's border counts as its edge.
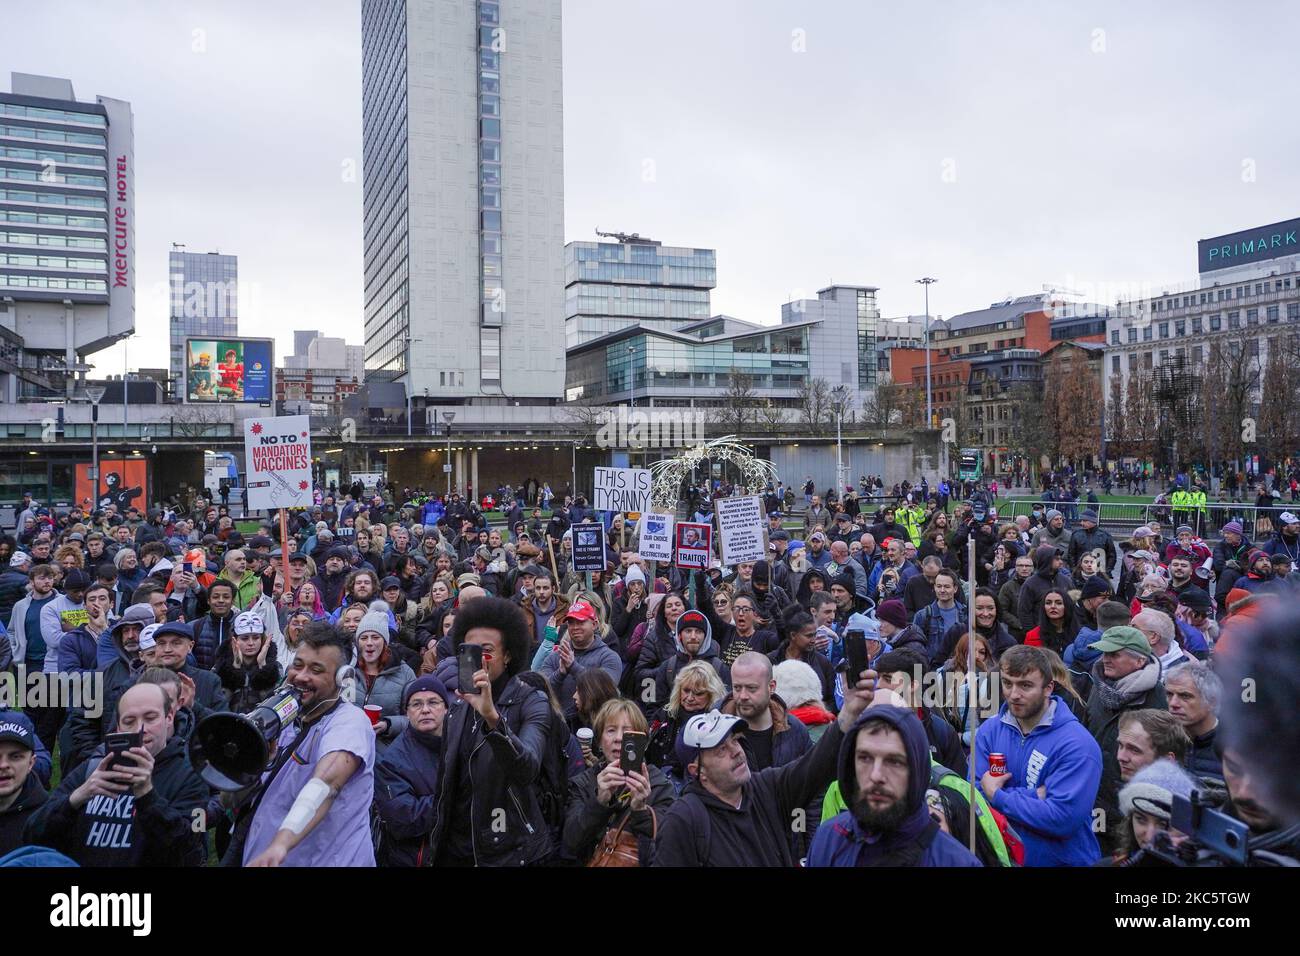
(997, 764)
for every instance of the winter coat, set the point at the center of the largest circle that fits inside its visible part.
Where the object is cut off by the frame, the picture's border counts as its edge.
(154, 830)
(1083, 541)
(246, 588)
(210, 633)
(12, 820)
(586, 819)
(406, 797)
(564, 683)
(13, 588)
(701, 830)
(386, 693)
(1062, 757)
(1105, 704)
(1036, 587)
(1009, 607)
(504, 764)
(79, 651)
(85, 733)
(917, 841)
(1202, 761)
(929, 621)
(999, 640)
(249, 685)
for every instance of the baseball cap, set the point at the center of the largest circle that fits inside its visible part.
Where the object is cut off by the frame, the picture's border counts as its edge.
(817, 536)
(391, 581)
(1145, 555)
(146, 637)
(869, 626)
(18, 728)
(19, 559)
(249, 623)
(1289, 518)
(583, 611)
(704, 732)
(1122, 638)
(174, 627)
(1143, 532)
(780, 534)
(298, 556)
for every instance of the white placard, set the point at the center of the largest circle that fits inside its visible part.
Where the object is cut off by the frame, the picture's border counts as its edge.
(368, 479)
(621, 489)
(277, 453)
(741, 529)
(656, 536)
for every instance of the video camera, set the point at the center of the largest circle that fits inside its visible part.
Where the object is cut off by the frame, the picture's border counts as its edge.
(1214, 839)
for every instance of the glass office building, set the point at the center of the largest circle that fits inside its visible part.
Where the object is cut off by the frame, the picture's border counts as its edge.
(463, 142)
(614, 285)
(67, 233)
(204, 304)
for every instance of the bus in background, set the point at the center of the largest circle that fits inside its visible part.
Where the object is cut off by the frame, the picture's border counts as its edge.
(219, 467)
(970, 465)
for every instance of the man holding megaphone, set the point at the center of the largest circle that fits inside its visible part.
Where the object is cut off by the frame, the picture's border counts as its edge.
(314, 807)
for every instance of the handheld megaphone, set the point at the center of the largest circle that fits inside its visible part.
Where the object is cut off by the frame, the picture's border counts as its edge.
(232, 751)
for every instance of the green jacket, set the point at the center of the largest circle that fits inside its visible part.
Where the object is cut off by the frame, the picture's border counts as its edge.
(247, 588)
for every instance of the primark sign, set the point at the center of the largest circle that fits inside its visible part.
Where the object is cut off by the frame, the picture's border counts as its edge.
(1252, 245)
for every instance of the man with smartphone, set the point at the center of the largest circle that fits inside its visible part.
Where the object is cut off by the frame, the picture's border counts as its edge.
(135, 801)
(729, 815)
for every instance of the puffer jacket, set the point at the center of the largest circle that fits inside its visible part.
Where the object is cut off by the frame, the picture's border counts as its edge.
(505, 765)
(407, 777)
(385, 692)
(210, 633)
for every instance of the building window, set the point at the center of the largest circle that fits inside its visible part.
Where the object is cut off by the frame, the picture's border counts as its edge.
(1114, 364)
(1196, 325)
(1146, 334)
(1132, 336)
(1114, 337)
(1216, 322)
(1252, 316)
(1271, 313)
(1164, 330)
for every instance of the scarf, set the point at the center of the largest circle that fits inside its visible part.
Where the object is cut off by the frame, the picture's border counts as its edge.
(1127, 691)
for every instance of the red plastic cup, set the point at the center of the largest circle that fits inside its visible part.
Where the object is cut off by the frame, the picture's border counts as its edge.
(374, 712)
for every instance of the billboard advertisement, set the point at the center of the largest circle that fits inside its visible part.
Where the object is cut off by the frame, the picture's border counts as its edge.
(122, 481)
(229, 370)
(1250, 245)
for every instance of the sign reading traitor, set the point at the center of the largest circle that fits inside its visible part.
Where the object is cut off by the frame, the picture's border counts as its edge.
(656, 540)
(694, 544)
(589, 547)
(278, 455)
(741, 529)
(622, 489)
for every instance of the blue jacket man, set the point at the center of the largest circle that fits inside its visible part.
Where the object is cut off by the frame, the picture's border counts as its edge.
(857, 836)
(1054, 772)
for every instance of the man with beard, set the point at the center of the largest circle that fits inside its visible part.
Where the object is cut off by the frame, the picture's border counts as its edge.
(315, 808)
(884, 772)
(730, 816)
(1053, 765)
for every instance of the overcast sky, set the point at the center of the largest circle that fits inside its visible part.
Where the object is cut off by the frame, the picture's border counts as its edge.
(996, 146)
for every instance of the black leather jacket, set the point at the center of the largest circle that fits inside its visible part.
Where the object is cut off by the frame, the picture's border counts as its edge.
(504, 766)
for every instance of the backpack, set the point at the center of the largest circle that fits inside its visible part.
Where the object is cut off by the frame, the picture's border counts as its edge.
(553, 776)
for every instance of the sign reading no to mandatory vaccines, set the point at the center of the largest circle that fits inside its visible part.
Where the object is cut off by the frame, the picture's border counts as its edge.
(278, 456)
(741, 529)
(622, 489)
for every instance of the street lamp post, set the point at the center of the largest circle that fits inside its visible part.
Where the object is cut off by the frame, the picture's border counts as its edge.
(927, 281)
(448, 417)
(95, 393)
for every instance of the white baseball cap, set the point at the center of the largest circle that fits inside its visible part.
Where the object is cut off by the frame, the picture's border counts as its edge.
(146, 637)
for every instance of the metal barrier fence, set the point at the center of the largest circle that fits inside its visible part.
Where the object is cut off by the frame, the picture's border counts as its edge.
(1258, 524)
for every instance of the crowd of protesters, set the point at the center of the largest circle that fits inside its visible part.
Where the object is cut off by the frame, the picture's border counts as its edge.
(642, 714)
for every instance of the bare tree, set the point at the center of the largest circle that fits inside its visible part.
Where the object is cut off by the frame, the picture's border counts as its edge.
(197, 421)
(814, 404)
(586, 415)
(770, 417)
(887, 406)
(738, 408)
(1071, 404)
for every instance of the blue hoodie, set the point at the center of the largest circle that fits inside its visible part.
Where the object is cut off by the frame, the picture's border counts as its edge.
(1060, 755)
(842, 842)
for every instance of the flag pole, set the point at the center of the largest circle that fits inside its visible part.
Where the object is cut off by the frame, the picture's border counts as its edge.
(971, 720)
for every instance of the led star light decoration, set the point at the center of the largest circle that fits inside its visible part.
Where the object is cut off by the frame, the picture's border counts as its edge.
(667, 474)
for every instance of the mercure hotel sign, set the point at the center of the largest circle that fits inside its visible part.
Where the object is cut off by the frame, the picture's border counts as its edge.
(1251, 245)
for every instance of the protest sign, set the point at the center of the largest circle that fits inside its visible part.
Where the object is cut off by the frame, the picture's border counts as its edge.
(656, 540)
(621, 489)
(589, 547)
(278, 456)
(694, 544)
(741, 529)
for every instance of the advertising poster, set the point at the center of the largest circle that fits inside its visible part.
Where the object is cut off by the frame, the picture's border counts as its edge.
(122, 481)
(229, 370)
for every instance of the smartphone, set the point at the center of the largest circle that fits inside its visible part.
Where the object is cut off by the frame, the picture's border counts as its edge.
(469, 660)
(632, 754)
(855, 656)
(119, 744)
(188, 567)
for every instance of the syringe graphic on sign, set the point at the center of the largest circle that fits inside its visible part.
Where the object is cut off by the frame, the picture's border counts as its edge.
(279, 456)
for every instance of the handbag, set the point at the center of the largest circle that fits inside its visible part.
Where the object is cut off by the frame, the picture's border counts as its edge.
(620, 848)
